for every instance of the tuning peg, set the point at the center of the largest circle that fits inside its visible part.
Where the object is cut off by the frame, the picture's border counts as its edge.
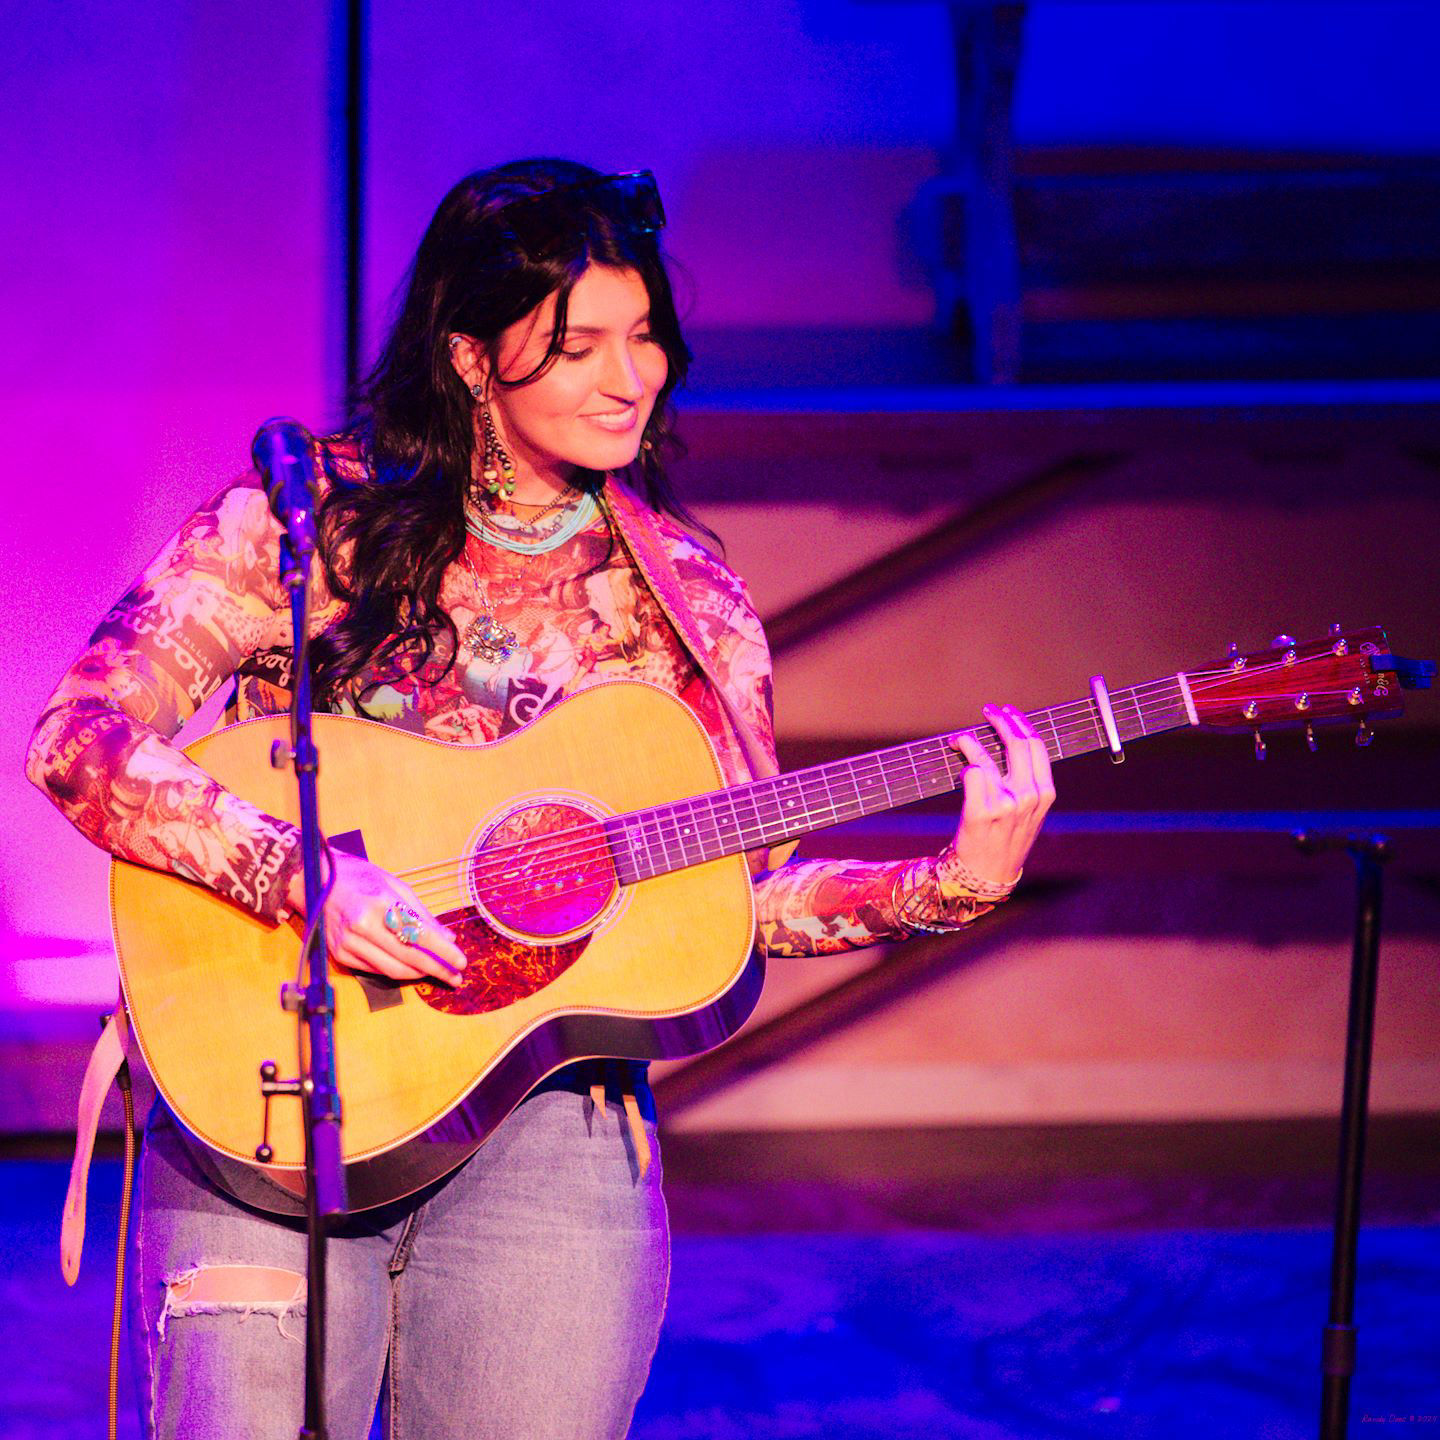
(1259, 746)
(1233, 655)
(1282, 642)
(1335, 628)
(1310, 739)
(1364, 735)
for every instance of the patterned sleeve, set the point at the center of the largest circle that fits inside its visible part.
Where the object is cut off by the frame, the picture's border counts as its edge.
(820, 907)
(101, 748)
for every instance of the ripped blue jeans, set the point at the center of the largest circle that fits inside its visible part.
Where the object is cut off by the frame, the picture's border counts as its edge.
(521, 1297)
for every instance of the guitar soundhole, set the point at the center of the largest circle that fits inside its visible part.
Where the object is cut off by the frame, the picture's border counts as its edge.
(540, 873)
(543, 872)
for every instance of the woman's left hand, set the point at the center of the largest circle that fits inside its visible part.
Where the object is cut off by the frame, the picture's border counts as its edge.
(1003, 813)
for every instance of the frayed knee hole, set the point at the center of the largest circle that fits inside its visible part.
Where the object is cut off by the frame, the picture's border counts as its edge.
(242, 1290)
(237, 1285)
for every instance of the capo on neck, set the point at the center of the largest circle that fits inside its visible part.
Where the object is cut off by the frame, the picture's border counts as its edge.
(1107, 719)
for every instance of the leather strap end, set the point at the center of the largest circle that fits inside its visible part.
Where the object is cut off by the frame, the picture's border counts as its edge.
(72, 1229)
(637, 1134)
(104, 1064)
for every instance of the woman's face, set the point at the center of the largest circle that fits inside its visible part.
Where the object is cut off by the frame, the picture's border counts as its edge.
(589, 409)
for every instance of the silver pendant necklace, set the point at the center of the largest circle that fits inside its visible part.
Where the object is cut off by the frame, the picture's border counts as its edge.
(485, 637)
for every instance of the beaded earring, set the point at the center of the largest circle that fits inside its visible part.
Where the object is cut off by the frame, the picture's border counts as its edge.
(497, 469)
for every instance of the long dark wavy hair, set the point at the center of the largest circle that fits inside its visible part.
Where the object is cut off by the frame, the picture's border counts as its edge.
(388, 536)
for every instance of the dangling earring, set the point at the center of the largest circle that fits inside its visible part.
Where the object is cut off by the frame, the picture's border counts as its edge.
(497, 469)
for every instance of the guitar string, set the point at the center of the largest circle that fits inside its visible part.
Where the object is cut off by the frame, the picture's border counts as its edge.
(1075, 724)
(1087, 723)
(570, 849)
(495, 886)
(766, 810)
(1076, 717)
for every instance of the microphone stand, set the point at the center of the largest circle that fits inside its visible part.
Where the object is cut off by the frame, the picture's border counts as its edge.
(312, 1000)
(1337, 1349)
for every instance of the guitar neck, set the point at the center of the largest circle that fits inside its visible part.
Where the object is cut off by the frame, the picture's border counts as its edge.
(768, 812)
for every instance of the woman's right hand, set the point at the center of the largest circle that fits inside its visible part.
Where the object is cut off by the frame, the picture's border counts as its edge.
(356, 932)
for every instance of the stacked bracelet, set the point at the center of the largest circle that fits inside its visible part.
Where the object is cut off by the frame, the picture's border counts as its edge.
(955, 874)
(925, 901)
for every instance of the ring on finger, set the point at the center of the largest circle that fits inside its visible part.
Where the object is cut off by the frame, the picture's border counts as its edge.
(403, 923)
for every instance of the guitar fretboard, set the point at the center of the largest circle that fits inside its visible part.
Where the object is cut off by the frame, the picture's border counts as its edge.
(652, 842)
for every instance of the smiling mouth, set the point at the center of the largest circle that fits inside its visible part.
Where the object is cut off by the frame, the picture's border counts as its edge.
(616, 421)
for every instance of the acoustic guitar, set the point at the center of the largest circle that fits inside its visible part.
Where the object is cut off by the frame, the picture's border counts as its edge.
(593, 867)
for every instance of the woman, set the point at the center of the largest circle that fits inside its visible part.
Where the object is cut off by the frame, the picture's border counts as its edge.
(484, 556)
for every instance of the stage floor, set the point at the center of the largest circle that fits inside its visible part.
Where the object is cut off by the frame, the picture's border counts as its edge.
(824, 1324)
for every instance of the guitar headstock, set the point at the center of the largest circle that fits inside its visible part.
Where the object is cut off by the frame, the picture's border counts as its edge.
(1348, 675)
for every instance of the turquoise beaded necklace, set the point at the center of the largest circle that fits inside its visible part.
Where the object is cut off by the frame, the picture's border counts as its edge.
(489, 530)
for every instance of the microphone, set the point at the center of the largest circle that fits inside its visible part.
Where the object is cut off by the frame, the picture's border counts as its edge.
(281, 453)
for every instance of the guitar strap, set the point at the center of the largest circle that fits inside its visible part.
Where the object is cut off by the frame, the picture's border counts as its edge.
(105, 1061)
(635, 523)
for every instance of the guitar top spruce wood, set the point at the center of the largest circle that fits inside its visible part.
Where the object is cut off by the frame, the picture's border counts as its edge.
(593, 868)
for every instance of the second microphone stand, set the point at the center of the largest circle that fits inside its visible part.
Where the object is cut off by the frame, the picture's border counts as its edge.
(1337, 1355)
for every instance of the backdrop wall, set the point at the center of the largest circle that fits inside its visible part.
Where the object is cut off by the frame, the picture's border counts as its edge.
(169, 274)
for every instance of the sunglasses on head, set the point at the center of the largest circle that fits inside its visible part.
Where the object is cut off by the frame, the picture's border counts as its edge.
(544, 225)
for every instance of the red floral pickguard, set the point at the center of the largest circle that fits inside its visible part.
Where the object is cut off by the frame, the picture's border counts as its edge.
(500, 971)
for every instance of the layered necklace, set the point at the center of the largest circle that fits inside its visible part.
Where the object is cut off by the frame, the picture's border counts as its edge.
(486, 637)
(530, 536)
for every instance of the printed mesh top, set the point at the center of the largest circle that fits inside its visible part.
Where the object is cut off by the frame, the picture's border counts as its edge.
(210, 606)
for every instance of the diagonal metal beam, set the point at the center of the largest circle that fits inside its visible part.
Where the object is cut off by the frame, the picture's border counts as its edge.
(904, 970)
(908, 564)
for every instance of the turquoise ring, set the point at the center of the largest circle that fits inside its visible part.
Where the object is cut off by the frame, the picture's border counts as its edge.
(403, 923)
